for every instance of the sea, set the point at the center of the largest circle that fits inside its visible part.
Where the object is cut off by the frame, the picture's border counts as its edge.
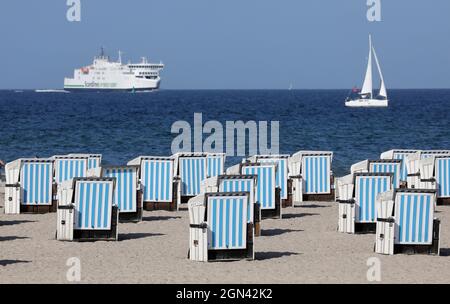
(122, 126)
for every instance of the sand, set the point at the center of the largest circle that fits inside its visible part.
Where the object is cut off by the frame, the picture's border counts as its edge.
(304, 247)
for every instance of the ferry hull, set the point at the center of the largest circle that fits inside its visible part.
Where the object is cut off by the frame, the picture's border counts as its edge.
(367, 103)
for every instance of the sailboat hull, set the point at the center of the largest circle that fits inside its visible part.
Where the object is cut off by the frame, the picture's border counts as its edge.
(367, 103)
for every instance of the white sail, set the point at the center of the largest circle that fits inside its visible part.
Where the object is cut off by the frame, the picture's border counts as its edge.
(383, 92)
(367, 85)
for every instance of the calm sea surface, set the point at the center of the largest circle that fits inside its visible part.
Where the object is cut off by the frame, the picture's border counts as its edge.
(122, 126)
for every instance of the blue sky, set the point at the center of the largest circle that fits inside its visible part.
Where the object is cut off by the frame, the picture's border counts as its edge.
(232, 44)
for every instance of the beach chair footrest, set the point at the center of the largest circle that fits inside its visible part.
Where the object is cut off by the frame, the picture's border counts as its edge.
(328, 197)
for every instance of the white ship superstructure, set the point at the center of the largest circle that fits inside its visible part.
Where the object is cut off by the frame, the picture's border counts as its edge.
(104, 74)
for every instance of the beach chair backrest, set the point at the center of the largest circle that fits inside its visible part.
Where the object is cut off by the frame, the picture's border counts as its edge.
(362, 166)
(414, 213)
(442, 168)
(126, 186)
(157, 178)
(215, 163)
(36, 179)
(282, 162)
(316, 173)
(387, 166)
(367, 188)
(266, 184)
(68, 167)
(193, 169)
(240, 183)
(227, 220)
(93, 200)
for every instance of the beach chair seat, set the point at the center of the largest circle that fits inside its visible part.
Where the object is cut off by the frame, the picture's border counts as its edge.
(267, 193)
(161, 189)
(408, 224)
(282, 178)
(315, 169)
(29, 186)
(219, 229)
(128, 195)
(86, 211)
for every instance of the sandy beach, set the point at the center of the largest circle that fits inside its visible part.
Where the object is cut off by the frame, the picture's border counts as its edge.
(304, 247)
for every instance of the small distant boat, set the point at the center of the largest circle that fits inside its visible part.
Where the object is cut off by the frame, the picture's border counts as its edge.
(365, 97)
(51, 91)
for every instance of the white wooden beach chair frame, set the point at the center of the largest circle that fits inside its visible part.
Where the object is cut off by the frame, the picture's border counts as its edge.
(388, 239)
(201, 246)
(66, 221)
(349, 196)
(322, 189)
(42, 190)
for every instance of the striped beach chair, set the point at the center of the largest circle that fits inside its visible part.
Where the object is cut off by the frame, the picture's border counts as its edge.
(267, 193)
(94, 160)
(315, 169)
(409, 224)
(400, 154)
(282, 177)
(192, 169)
(161, 189)
(442, 174)
(357, 200)
(393, 166)
(67, 167)
(244, 183)
(215, 164)
(127, 194)
(87, 211)
(219, 229)
(29, 186)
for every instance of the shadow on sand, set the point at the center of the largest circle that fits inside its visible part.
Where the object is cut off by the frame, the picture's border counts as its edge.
(276, 231)
(15, 222)
(312, 206)
(298, 215)
(9, 262)
(135, 236)
(272, 255)
(12, 238)
(160, 218)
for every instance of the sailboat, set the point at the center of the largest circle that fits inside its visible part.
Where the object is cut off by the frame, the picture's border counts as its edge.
(366, 98)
